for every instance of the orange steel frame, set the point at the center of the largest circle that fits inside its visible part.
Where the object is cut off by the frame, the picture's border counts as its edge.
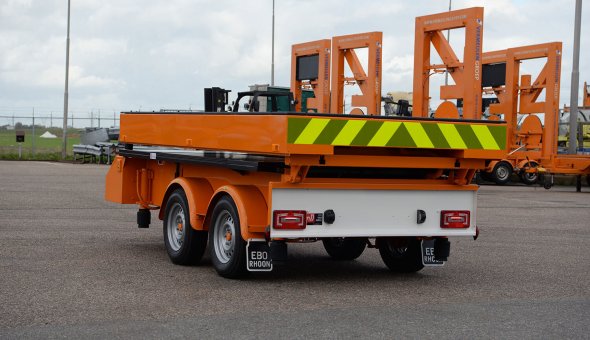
(320, 86)
(148, 182)
(369, 82)
(521, 96)
(342, 50)
(466, 74)
(251, 133)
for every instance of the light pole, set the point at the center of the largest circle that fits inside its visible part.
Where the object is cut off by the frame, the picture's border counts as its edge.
(575, 80)
(65, 122)
(272, 65)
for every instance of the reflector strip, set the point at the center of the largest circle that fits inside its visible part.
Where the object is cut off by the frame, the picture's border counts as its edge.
(384, 134)
(419, 135)
(363, 132)
(312, 131)
(452, 136)
(348, 132)
(485, 137)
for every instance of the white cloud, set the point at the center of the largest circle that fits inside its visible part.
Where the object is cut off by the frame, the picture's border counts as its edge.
(79, 78)
(149, 53)
(397, 71)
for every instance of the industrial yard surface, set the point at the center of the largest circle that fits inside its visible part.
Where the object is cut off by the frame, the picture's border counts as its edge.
(73, 265)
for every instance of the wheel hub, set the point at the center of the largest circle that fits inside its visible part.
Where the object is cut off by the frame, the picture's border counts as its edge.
(224, 241)
(179, 230)
(175, 226)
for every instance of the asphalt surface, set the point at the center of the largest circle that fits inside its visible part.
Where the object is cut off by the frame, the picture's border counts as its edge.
(75, 266)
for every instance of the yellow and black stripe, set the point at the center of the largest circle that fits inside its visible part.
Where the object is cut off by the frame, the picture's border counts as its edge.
(411, 134)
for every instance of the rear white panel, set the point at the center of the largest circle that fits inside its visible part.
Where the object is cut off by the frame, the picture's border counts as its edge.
(372, 213)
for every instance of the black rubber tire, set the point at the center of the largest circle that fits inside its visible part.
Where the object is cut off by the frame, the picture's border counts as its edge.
(234, 266)
(193, 241)
(344, 248)
(401, 254)
(486, 176)
(547, 184)
(502, 172)
(529, 178)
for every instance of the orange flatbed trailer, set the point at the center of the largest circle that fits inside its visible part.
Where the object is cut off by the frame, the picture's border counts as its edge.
(247, 184)
(255, 178)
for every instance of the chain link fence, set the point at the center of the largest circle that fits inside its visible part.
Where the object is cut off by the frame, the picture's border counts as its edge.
(43, 132)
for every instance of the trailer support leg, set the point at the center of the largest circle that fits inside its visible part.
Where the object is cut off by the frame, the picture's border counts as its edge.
(143, 218)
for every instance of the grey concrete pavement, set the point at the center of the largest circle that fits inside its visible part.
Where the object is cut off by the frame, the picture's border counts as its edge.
(73, 265)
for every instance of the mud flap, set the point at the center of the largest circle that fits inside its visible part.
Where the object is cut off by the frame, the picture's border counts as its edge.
(428, 254)
(258, 256)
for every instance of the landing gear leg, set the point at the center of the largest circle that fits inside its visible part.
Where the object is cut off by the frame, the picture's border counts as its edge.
(548, 181)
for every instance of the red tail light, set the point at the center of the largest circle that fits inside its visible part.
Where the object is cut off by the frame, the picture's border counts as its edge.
(454, 219)
(289, 219)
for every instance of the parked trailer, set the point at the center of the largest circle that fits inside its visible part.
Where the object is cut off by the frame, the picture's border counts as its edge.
(249, 183)
(531, 146)
(243, 181)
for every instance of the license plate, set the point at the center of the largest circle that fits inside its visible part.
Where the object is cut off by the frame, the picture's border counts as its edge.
(428, 254)
(258, 256)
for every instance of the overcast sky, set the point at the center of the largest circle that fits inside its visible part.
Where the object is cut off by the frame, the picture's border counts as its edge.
(148, 54)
